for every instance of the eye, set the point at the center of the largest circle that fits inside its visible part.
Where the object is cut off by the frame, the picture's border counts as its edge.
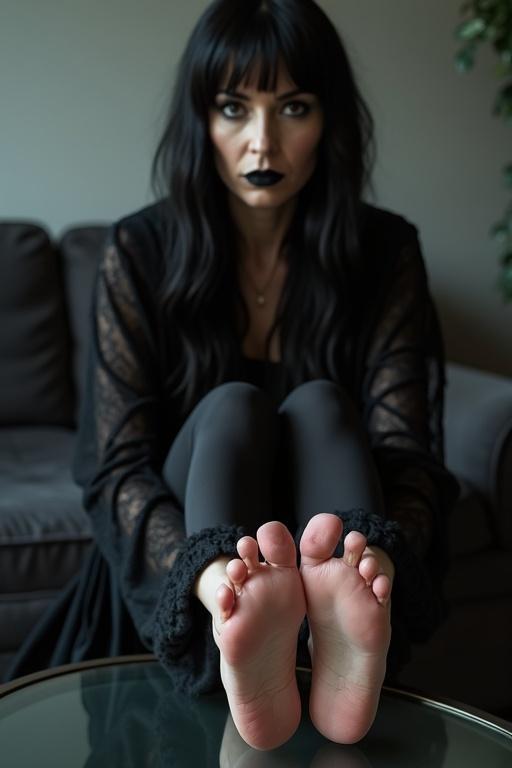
(231, 109)
(297, 109)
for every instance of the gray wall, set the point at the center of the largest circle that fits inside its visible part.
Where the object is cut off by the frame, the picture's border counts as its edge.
(84, 86)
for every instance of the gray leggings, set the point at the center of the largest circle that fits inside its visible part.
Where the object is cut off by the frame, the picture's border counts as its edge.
(238, 460)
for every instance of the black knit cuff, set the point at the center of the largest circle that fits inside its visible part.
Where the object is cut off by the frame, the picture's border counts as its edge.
(182, 637)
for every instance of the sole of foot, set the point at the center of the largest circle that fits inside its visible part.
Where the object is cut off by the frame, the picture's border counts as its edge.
(348, 612)
(260, 616)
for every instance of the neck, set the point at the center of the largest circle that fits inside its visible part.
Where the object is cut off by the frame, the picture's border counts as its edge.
(260, 232)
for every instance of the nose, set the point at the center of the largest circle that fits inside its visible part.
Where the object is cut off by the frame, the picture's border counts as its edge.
(262, 134)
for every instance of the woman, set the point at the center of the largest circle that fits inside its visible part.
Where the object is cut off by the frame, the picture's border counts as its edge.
(265, 349)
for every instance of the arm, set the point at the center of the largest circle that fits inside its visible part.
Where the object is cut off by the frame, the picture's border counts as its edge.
(400, 387)
(116, 463)
(403, 403)
(138, 524)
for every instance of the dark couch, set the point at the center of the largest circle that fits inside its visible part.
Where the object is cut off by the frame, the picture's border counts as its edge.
(45, 290)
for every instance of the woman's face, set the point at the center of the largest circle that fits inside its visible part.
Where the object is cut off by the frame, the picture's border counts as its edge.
(277, 132)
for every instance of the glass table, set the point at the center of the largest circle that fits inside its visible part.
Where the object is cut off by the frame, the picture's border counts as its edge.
(122, 712)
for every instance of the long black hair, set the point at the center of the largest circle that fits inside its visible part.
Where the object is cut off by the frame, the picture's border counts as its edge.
(200, 294)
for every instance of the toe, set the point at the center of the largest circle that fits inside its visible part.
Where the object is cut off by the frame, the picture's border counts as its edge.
(276, 544)
(247, 548)
(237, 573)
(368, 567)
(225, 601)
(381, 587)
(353, 548)
(320, 538)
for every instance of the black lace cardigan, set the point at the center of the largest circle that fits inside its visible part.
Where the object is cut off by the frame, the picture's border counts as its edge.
(127, 426)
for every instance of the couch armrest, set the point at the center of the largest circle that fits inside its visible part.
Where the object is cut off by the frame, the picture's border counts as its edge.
(478, 438)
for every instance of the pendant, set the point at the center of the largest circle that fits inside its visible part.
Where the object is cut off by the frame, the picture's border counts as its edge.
(260, 300)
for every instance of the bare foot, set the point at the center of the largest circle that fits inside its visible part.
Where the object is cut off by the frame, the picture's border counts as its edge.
(348, 614)
(257, 634)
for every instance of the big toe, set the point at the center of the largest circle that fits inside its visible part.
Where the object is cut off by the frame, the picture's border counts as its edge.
(276, 544)
(320, 538)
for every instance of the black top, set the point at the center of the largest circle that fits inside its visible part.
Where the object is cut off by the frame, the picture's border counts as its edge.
(126, 430)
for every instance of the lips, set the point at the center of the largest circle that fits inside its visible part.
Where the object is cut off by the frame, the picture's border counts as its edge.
(264, 178)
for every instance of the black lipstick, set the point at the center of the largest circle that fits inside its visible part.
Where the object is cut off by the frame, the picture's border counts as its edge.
(264, 178)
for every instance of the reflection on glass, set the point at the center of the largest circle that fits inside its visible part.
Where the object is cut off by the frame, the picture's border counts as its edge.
(127, 716)
(135, 719)
(307, 747)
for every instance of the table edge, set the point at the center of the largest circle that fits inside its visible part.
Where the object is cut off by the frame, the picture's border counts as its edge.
(459, 709)
(68, 669)
(462, 710)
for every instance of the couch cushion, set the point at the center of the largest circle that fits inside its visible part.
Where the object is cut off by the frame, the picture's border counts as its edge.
(35, 386)
(80, 248)
(43, 529)
(479, 439)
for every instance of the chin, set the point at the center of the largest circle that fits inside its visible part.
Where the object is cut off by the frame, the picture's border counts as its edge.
(266, 198)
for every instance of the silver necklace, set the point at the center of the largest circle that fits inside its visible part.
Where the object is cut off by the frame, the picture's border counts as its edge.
(261, 291)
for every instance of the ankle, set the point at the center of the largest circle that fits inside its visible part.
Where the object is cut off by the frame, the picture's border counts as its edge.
(209, 580)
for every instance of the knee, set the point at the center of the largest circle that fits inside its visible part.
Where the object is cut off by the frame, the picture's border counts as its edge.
(238, 408)
(320, 401)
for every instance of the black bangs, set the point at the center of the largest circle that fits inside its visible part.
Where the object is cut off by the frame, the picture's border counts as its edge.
(250, 48)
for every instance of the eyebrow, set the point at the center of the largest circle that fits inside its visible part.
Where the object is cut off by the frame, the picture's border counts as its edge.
(281, 97)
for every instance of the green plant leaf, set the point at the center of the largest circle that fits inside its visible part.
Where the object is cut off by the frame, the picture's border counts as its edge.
(490, 21)
(471, 29)
(492, 33)
(464, 60)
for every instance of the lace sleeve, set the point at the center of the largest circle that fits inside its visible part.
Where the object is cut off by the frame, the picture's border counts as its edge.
(137, 523)
(400, 385)
(403, 403)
